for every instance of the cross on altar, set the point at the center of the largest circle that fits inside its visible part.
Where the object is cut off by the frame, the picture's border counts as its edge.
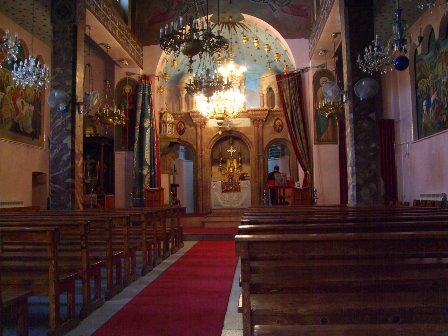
(231, 150)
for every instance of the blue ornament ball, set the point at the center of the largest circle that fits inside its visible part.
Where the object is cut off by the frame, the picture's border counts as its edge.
(401, 63)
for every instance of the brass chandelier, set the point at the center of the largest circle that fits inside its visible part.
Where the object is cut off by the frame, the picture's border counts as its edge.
(192, 37)
(107, 114)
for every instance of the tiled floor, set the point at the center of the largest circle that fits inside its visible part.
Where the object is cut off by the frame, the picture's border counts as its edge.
(232, 323)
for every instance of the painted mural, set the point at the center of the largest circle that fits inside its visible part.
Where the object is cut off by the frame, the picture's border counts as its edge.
(126, 98)
(325, 131)
(21, 109)
(431, 76)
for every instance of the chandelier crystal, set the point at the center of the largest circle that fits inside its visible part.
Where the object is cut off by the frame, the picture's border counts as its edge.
(31, 73)
(224, 99)
(376, 58)
(107, 114)
(425, 4)
(9, 47)
(223, 104)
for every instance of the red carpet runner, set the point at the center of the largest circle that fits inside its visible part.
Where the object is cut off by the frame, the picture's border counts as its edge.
(189, 298)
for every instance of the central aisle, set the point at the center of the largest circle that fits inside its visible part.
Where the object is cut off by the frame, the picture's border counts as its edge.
(189, 298)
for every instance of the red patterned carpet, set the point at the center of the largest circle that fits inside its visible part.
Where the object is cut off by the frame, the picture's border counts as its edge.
(188, 299)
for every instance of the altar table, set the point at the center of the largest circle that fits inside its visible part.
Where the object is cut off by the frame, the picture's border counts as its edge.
(230, 199)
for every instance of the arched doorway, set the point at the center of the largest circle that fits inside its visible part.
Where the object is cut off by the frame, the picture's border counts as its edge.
(183, 174)
(279, 155)
(230, 173)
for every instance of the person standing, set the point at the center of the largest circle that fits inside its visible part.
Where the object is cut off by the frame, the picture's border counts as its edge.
(271, 183)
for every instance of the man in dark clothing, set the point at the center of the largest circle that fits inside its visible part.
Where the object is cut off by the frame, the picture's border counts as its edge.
(271, 182)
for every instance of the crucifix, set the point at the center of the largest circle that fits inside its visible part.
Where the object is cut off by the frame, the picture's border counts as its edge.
(231, 150)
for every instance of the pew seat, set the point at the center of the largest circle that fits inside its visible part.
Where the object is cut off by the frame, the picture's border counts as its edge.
(414, 329)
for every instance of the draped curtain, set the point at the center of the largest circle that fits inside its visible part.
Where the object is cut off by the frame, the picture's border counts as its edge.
(290, 92)
(146, 146)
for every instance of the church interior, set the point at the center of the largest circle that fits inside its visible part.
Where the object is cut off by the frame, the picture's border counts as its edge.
(258, 132)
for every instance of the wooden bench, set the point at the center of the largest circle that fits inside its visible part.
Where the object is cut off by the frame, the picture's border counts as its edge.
(74, 254)
(415, 329)
(99, 245)
(344, 278)
(38, 273)
(14, 306)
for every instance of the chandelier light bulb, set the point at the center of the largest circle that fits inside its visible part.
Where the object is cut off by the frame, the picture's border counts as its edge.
(9, 47)
(31, 72)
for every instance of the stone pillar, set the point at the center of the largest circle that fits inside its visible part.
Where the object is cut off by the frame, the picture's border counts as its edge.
(67, 74)
(360, 117)
(259, 157)
(258, 117)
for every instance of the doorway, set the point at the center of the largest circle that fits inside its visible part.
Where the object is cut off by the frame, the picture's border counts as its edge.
(39, 190)
(183, 176)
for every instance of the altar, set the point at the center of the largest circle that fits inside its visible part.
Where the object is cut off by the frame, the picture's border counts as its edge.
(222, 198)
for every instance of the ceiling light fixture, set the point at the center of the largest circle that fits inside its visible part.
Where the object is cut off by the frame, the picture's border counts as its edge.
(9, 47)
(31, 72)
(193, 37)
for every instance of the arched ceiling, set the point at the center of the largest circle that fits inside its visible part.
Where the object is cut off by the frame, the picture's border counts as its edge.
(256, 60)
(292, 18)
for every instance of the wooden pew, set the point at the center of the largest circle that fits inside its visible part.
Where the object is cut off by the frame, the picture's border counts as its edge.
(14, 306)
(39, 273)
(100, 246)
(415, 329)
(118, 243)
(20, 209)
(344, 278)
(74, 255)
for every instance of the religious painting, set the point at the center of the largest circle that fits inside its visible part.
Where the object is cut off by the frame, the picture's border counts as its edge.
(21, 108)
(278, 125)
(431, 81)
(325, 131)
(180, 128)
(126, 100)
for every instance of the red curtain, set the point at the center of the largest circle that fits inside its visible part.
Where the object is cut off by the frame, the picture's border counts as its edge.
(386, 141)
(290, 92)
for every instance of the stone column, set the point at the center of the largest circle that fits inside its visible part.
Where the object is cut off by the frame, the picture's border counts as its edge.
(258, 178)
(259, 164)
(360, 117)
(67, 74)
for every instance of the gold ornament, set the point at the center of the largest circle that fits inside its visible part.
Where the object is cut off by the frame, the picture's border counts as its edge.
(267, 48)
(277, 56)
(174, 63)
(244, 39)
(165, 76)
(286, 68)
(256, 42)
(161, 89)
